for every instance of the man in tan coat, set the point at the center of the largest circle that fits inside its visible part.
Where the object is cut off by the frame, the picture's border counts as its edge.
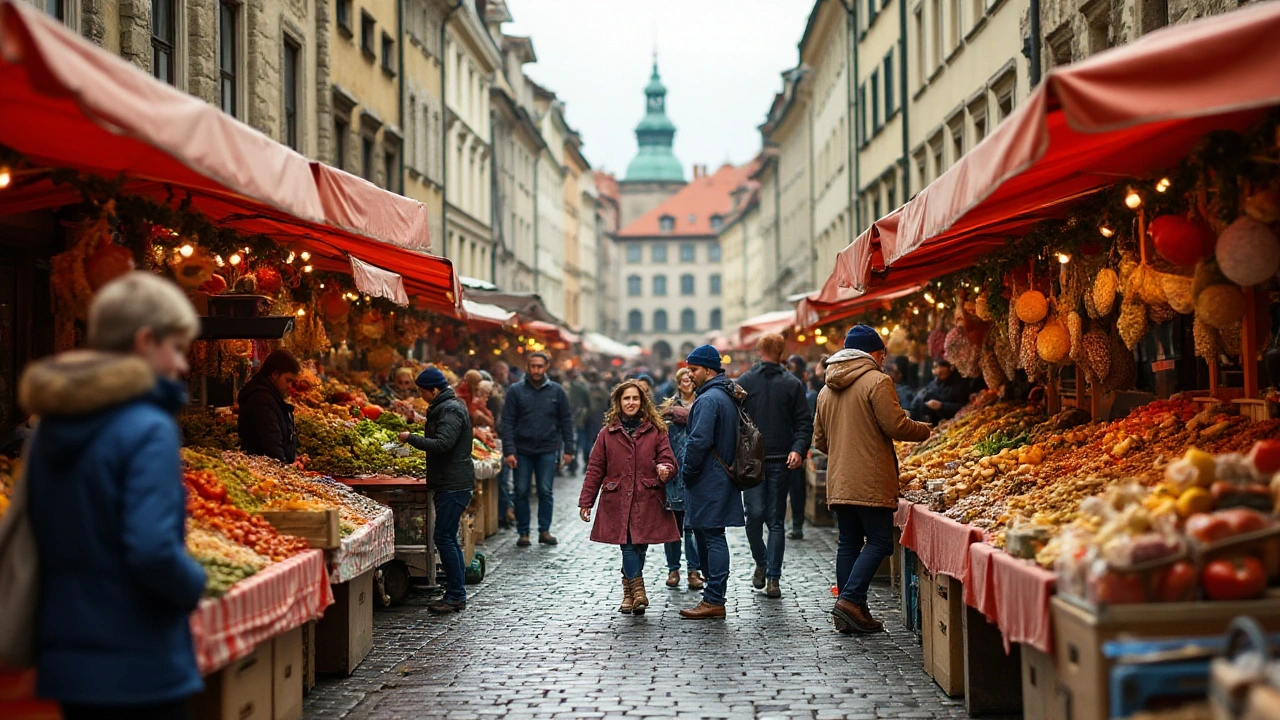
(857, 420)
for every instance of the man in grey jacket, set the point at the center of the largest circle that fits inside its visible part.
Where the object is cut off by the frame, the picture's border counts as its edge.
(537, 436)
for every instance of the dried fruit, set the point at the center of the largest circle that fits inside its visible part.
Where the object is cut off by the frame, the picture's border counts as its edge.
(1105, 287)
(1075, 328)
(1177, 292)
(961, 353)
(982, 308)
(1004, 354)
(1161, 314)
(1028, 356)
(992, 374)
(1248, 252)
(937, 344)
(1015, 332)
(1133, 321)
(1221, 306)
(1206, 339)
(1097, 353)
(1053, 342)
(1032, 306)
(1229, 339)
(1149, 287)
(1090, 308)
(1124, 367)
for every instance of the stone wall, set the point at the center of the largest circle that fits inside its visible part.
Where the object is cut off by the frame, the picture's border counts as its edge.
(1075, 29)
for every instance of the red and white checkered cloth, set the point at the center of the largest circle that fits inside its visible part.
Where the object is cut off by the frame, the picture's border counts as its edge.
(364, 550)
(281, 597)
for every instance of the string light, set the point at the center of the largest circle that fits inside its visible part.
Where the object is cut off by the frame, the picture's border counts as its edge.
(915, 311)
(302, 312)
(1133, 200)
(6, 176)
(307, 268)
(218, 259)
(289, 259)
(800, 337)
(928, 298)
(235, 259)
(1163, 185)
(884, 331)
(305, 256)
(186, 251)
(1064, 258)
(942, 306)
(1106, 231)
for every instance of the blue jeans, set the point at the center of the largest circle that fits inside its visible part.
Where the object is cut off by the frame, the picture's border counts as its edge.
(544, 467)
(690, 548)
(717, 566)
(449, 509)
(866, 539)
(633, 560)
(799, 493)
(587, 440)
(504, 494)
(766, 506)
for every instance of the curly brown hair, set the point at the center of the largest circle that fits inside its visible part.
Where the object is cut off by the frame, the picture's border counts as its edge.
(647, 409)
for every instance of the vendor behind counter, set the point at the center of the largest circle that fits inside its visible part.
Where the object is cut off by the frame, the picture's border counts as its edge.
(266, 419)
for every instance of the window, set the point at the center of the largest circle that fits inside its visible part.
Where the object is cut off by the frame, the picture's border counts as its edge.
(388, 54)
(871, 11)
(1005, 103)
(1099, 33)
(979, 9)
(937, 33)
(366, 157)
(686, 284)
(633, 253)
(715, 284)
(164, 39)
(875, 101)
(922, 171)
(713, 253)
(688, 320)
(891, 193)
(291, 53)
(688, 253)
(633, 286)
(341, 129)
(936, 149)
(666, 223)
(659, 285)
(860, 129)
(717, 320)
(635, 321)
(344, 16)
(367, 35)
(921, 73)
(955, 24)
(979, 114)
(957, 142)
(888, 86)
(389, 170)
(56, 9)
(659, 320)
(659, 253)
(717, 221)
(228, 35)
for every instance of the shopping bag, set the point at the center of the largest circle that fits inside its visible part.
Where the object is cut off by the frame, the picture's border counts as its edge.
(19, 581)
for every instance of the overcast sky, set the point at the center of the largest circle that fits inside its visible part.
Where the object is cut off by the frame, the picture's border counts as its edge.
(721, 61)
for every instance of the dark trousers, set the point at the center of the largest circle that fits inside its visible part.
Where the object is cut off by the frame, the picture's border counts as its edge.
(504, 494)
(633, 560)
(766, 506)
(716, 565)
(179, 710)
(690, 547)
(866, 539)
(587, 440)
(542, 466)
(799, 494)
(449, 509)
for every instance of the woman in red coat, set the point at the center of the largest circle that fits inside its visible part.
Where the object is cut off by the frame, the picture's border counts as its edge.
(630, 464)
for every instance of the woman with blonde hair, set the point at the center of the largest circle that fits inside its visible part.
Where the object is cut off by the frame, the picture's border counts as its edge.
(675, 411)
(630, 463)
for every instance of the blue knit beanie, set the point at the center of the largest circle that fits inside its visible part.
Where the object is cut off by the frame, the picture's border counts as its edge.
(705, 356)
(432, 379)
(866, 339)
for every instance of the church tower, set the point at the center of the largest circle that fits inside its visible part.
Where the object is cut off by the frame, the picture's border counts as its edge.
(654, 174)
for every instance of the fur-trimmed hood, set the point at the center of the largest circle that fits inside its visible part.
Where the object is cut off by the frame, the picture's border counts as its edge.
(83, 382)
(845, 367)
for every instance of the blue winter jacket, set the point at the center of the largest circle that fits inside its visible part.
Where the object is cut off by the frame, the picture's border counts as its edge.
(108, 511)
(711, 498)
(677, 435)
(537, 420)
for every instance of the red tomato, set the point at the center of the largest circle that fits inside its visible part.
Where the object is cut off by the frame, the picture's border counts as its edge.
(1120, 589)
(372, 412)
(1244, 520)
(1208, 528)
(1266, 456)
(1240, 578)
(1177, 583)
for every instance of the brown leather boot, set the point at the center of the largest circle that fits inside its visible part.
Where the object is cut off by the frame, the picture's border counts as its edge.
(851, 618)
(641, 597)
(695, 580)
(673, 578)
(628, 600)
(772, 589)
(704, 611)
(757, 580)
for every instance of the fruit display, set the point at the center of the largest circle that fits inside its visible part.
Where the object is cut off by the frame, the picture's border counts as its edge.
(208, 506)
(225, 562)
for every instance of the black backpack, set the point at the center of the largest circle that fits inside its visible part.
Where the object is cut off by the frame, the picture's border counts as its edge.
(747, 470)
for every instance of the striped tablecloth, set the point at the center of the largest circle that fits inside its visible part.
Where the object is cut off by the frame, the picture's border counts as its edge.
(281, 597)
(365, 549)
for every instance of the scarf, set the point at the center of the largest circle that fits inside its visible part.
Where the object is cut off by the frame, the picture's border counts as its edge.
(630, 425)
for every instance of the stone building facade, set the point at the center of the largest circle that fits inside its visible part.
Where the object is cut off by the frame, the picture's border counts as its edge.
(517, 143)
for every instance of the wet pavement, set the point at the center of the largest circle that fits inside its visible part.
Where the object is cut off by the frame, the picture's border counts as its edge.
(542, 638)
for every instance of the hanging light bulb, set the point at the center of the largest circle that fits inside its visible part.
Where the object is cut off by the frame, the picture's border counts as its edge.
(928, 298)
(884, 331)
(235, 259)
(218, 259)
(307, 268)
(289, 259)
(915, 311)
(186, 251)
(1106, 231)
(1064, 258)
(302, 312)
(1163, 185)
(942, 306)
(6, 176)
(1133, 200)
(321, 286)
(305, 256)
(800, 337)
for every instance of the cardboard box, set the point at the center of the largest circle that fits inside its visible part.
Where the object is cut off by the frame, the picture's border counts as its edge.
(988, 669)
(491, 518)
(287, 673)
(1080, 632)
(924, 594)
(308, 656)
(1039, 684)
(240, 691)
(344, 636)
(948, 634)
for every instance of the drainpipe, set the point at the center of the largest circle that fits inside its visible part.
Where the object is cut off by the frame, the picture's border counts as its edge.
(495, 211)
(906, 102)
(813, 209)
(444, 126)
(400, 66)
(537, 162)
(777, 224)
(1035, 43)
(855, 159)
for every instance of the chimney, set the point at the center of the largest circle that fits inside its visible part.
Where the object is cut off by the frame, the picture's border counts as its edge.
(696, 171)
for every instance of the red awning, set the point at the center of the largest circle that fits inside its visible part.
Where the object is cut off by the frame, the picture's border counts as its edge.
(1126, 112)
(752, 329)
(65, 103)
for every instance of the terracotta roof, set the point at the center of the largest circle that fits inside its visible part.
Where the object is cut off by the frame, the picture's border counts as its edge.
(693, 206)
(607, 185)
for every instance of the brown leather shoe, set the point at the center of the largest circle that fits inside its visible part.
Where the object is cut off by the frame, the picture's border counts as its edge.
(851, 618)
(641, 597)
(695, 580)
(772, 589)
(523, 541)
(757, 580)
(704, 611)
(628, 600)
(547, 538)
(673, 578)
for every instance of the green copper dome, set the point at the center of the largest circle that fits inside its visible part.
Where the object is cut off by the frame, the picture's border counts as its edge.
(655, 134)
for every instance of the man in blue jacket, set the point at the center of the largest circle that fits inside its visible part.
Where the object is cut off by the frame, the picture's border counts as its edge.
(712, 501)
(537, 436)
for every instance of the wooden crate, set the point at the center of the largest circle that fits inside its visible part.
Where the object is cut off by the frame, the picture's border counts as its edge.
(1256, 410)
(816, 511)
(1080, 633)
(947, 630)
(319, 528)
(1042, 694)
(287, 675)
(344, 636)
(466, 533)
(490, 489)
(240, 691)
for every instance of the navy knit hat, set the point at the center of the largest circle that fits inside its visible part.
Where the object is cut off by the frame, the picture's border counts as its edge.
(432, 379)
(705, 356)
(866, 339)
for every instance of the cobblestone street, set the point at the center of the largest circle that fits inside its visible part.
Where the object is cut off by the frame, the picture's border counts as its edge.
(542, 638)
